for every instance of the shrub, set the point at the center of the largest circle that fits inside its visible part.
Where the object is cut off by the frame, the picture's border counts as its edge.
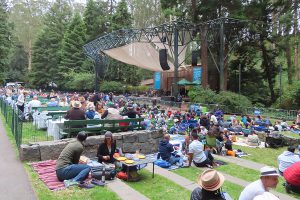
(112, 86)
(290, 98)
(80, 81)
(231, 102)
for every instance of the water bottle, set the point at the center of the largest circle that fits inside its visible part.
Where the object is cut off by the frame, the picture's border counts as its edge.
(103, 175)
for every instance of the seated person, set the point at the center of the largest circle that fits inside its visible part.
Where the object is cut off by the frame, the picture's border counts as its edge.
(34, 103)
(107, 149)
(210, 182)
(174, 129)
(91, 113)
(67, 167)
(196, 153)
(52, 103)
(284, 125)
(292, 178)
(287, 158)
(111, 112)
(75, 113)
(252, 139)
(185, 145)
(268, 180)
(165, 149)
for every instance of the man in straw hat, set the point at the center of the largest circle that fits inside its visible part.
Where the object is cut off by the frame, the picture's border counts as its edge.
(210, 182)
(268, 179)
(75, 113)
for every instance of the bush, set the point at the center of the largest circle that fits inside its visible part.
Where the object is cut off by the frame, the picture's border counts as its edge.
(112, 86)
(201, 95)
(80, 81)
(232, 102)
(290, 98)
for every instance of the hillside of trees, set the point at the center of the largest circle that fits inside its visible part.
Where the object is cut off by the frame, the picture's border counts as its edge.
(41, 42)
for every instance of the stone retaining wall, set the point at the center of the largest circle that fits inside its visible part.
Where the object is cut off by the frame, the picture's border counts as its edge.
(288, 141)
(147, 141)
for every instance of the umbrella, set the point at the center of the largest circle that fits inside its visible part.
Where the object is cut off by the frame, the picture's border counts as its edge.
(184, 82)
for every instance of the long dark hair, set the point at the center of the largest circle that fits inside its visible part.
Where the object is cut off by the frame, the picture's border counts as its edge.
(212, 195)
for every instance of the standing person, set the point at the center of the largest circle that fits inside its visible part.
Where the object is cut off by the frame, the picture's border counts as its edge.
(268, 179)
(67, 168)
(210, 182)
(107, 149)
(21, 100)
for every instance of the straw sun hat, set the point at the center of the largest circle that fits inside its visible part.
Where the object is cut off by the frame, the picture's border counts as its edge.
(211, 180)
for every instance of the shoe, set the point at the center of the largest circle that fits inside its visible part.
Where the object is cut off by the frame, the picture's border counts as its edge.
(97, 182)
(69, 183)
(86, 185)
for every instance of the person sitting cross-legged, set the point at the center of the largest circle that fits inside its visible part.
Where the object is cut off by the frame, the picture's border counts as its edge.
(68, 168)
(165, 149)
(199, 156)
(287, 158)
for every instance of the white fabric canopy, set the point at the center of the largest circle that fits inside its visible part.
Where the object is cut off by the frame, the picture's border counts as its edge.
(144, 55)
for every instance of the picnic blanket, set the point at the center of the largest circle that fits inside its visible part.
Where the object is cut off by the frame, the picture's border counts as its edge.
(46, 172)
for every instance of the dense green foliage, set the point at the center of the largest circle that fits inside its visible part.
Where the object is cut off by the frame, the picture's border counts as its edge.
(72, 55)
(291, 97)
(228, 99)
(47, 48)
(5, 42)
(112, 86)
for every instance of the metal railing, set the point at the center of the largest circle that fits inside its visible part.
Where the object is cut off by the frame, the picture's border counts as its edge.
(13, 117)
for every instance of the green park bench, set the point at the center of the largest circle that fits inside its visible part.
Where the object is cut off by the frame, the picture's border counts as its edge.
(98, 127)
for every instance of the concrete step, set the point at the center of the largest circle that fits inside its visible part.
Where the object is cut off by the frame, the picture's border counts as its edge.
(124, 191)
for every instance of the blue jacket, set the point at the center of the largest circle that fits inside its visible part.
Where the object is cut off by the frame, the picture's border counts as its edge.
(165, 149)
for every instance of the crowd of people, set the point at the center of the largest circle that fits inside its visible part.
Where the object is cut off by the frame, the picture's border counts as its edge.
(205, 133)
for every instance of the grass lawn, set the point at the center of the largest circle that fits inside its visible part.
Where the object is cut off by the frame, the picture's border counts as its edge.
(266, 156)
(249, 175)
(159, 188)
(31, 134)
(192, 174)
(290, 134)
(73, 193)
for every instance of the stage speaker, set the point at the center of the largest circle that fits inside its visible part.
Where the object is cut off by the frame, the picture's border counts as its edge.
(194, 58)
(163, 59)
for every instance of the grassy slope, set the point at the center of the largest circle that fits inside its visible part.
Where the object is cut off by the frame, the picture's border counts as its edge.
(192, 174)
(159, 188)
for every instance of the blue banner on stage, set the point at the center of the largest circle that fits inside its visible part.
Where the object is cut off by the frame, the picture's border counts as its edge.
(197, 74)
(157, 79)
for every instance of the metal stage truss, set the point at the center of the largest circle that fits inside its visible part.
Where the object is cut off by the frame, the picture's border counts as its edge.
(219, 32)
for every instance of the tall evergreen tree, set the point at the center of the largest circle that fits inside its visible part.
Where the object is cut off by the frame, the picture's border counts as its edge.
(121, 18)
(72, 56)
(47, 48)
(96, 19)
(5, 35)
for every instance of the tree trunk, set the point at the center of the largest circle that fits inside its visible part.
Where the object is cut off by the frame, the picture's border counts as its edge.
(268, 70)
(29, 55)
(204, 58)
(226, 66)
(296, 46)
(288, 60)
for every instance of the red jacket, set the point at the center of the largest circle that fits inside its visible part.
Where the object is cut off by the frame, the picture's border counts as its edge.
(292, 174)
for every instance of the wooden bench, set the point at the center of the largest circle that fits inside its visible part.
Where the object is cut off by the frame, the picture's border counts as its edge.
(98, 127)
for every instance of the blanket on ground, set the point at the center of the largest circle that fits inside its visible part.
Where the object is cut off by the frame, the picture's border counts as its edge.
(46, 172)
